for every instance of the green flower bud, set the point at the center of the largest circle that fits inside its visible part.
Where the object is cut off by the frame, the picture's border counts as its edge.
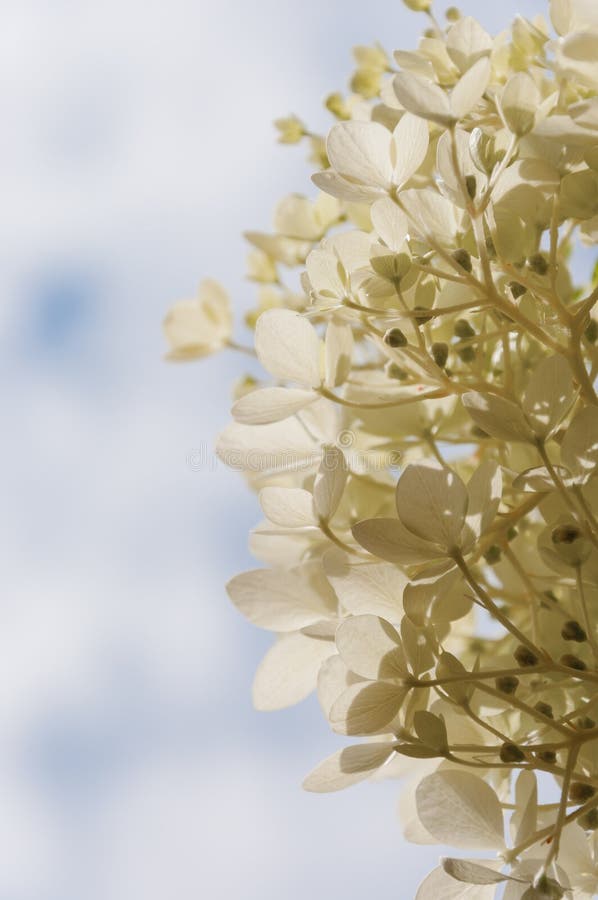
(418, 5)
(335, 104)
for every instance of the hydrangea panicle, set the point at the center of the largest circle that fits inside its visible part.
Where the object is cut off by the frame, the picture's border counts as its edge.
(425, 443)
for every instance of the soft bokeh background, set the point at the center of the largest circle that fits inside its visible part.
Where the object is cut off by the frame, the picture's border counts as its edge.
(136, 145)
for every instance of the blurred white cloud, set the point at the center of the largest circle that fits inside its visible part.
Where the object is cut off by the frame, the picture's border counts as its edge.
(136, 146)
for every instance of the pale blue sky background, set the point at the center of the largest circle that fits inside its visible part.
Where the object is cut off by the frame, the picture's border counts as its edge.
(136, 145)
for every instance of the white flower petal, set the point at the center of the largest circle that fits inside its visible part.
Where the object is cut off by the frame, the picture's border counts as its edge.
(360, 151)
(422, 98)
(347, 767)
(288, 346)
(367, 708)
(549, 395)
(371, 647)
(432, 503)
(390, 223)
(410, 141)
(283, 599)
(461, 810)
(271, 404)
(469, 89)
(288, 507)
(289, 671)
(498, 417)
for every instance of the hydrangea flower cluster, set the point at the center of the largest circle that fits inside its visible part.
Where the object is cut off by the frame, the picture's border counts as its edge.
(425, 444)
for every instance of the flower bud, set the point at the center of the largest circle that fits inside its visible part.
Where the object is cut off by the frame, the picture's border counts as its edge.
(471, 187)
(290, 130)
(394, 337)
(466, 354)
(453, 14)
(422, 315)
(517, 290)
(418, 5)
(463, 329)
(538, 264)
(591, 332)
(573, 662)
(394, 371)
(462, 258)
(547, 756)
(545, 709)
(335, 104)
(507, 684)
(493, 555)
(572, 631)
(440, 353)
(579, 792)
(589, 820)
(511, 753)
(565, 534)
(585, 723)
(525, 657)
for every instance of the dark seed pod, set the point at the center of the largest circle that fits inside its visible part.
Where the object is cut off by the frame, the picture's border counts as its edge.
(463, 258)
(538, 264)
(585, 723)
(589, 820)
(471, 186)
(547, 756)
(440, 352)
(525, 657)
(591, 332)
(545, 709)
(573, 662)
(394, 337)
(572, 631)
(517, 290)
(394, 371)
(493, 555)
(422, 315)
(565, 534)
(467, 354)
(511, 753)
(508, 684)
(580, 792)
(463, 329)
